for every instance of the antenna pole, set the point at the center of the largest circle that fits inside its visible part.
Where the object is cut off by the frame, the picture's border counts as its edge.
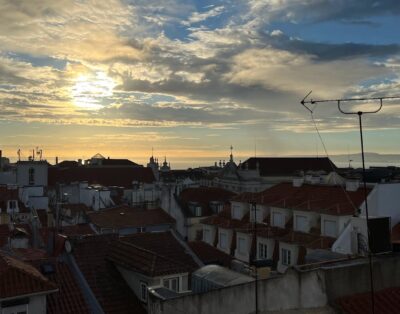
(371, 274)
(303, 102)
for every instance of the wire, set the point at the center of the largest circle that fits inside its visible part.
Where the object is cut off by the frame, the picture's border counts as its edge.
(327, 155)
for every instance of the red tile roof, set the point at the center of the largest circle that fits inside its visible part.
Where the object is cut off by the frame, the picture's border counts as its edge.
(387, 301)
(125, 217)
(396, 234)
(19, 278)
(163, 244)
(69, 299)
(120, 176)
(209, 254)
(29, 254)
(289, 166)
(76, 230)
(107, 284)
(225, 220)
(143, 261)
(203, 196)
(308, 240)
(328, 199)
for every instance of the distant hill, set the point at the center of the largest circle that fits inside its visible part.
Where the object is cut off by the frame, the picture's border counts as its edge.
(371, 159)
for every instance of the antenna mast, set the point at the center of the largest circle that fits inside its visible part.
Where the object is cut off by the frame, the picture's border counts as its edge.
(339, 102)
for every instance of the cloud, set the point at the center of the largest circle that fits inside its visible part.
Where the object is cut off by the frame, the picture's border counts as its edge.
(320, 10)
(197, 17)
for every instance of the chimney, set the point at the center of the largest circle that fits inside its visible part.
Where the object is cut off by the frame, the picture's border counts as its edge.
(56, 160)
(352, 185)
(298, 182)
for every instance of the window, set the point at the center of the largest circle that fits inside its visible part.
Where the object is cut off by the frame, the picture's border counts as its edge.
(301, 223)
(237, 212)
(330, 228)
(198, 211)
(278, 220)
(242, 245)
(262, 251)
(31, 173)
(143, 291)
(286, 257)
(206, 235)
(172, 284)
(12, 204)
(223, 241)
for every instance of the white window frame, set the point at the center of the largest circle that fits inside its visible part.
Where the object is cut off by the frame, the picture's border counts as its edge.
(242, 245)
(236, 212)
(297, 227)
(286, 256)
(281, 220)
(262, 250)
(221, 244)
(198, 211)
(325, 229)
(168, 283)
(206, 235)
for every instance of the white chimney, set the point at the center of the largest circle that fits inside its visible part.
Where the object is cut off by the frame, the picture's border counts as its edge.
(352, 185)
(315, 180)
(298, 182)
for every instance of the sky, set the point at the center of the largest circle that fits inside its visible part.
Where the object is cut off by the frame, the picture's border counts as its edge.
(191, 78)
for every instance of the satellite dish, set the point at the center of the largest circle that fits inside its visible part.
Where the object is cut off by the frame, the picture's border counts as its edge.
(68, 246)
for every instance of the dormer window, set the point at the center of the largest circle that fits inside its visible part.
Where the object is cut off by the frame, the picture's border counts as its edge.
(236, 212)
(278, 220)
(301, 223)
(31, 174)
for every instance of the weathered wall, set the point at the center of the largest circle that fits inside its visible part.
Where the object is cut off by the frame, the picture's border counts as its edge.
(296, 290)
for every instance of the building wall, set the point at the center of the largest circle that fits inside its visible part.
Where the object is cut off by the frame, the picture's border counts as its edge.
(40, 169)
(384, 200)
(37, 305)
(296, 290)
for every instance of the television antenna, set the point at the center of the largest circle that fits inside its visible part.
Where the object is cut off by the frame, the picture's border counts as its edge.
(359, 113)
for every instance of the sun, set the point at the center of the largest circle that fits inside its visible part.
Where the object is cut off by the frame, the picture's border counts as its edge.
(89, 91)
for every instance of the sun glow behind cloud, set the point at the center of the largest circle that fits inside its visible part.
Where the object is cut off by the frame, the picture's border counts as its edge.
(89, 91)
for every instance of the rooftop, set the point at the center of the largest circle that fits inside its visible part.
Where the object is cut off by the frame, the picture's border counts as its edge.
(289, 166)
(124, 217)
(326, 199)
(120, 176)
(209, 254)
(69, 299)
(387, 301)
(19, 278)
(107, 284)
(203, 196)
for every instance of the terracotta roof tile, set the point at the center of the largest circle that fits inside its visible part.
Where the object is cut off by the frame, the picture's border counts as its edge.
(387, 301)
(396, 234)
(308, 240)
(69, 299)
(76, 230)
(163, 244)
(107, 284)
(125, 217)
(20, 278)
(328, 199)
(209, 254)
